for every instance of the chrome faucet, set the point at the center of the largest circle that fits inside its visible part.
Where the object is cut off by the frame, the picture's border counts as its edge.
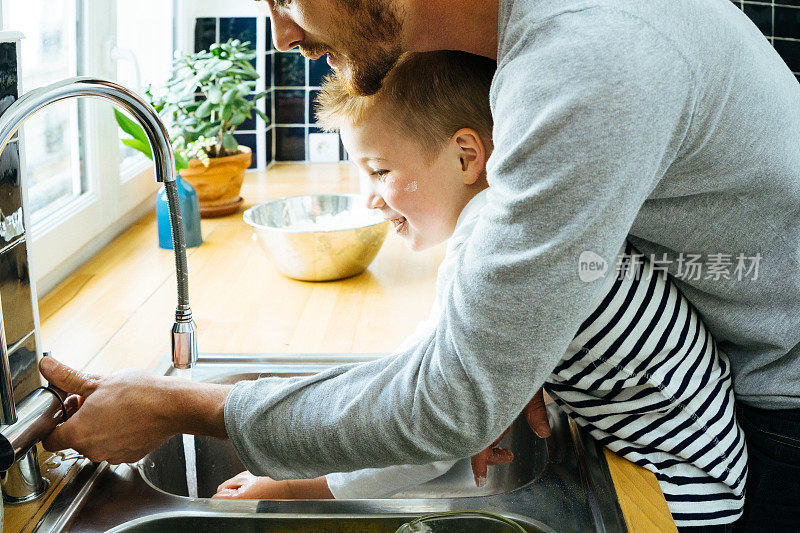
(27, 423)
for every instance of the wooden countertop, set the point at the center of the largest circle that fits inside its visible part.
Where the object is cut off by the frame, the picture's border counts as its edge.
(117, 309)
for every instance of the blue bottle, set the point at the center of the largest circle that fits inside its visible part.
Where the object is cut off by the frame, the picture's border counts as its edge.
(190, 211)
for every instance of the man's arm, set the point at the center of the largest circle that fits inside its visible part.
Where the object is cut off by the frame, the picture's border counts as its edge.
(586, 124)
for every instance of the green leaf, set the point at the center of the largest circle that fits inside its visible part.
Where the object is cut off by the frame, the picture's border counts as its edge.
(227, 111)
(130, 127)
(228, 97)
(229, 142)
(261, 114)
(180, 162)
(212, 130)
(223, 65)
(136, 144)
(237, 118)
(214, 95)
(204, 110)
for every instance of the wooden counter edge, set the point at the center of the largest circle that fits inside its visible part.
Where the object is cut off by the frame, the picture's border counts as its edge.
(23, 518)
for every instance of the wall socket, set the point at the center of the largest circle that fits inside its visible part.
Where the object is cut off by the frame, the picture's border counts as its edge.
(323, 147)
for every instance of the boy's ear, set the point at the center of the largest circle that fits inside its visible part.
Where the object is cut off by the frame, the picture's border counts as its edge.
(471, 154)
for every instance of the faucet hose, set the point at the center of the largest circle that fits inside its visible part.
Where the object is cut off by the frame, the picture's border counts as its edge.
(178, 245)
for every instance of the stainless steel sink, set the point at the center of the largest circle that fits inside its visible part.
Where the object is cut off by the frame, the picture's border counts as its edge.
(558, 484)
(201, 523)
(165, 467)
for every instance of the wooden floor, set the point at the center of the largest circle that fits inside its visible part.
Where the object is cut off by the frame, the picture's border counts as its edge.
(116, 311)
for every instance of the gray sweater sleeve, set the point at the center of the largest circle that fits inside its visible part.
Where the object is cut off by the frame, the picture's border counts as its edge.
(587, 119)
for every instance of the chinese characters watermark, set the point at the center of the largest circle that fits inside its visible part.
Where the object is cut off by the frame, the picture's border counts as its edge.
(686, 266)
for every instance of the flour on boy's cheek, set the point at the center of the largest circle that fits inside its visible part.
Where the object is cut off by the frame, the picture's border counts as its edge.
(411, 187)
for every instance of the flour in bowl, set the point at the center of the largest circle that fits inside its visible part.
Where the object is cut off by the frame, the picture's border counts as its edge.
(339, 221)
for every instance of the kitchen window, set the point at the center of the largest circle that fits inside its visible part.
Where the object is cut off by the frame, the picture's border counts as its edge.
(83, 188)
(49, 54)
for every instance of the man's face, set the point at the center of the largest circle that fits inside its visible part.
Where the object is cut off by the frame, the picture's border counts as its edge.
(361, 37)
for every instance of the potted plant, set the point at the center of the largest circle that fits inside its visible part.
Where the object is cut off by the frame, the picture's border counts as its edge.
(208, 95)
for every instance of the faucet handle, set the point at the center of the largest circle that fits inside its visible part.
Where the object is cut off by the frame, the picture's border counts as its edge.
(62, 394)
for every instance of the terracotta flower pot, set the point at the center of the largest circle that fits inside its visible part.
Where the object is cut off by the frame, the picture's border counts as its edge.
(219, 184)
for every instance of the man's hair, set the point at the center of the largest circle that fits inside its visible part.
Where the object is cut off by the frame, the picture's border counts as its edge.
(428, 95)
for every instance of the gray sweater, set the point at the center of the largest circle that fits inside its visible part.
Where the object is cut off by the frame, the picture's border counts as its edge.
(671, 122)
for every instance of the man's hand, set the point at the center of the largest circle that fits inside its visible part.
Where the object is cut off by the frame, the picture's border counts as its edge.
(121, 417)
(246, 486)
(536, 415)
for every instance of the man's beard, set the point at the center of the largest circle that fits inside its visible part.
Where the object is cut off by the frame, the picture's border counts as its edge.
(364, 75)
(371, 47)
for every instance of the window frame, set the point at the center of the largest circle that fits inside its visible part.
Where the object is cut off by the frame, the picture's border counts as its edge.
(114, 198)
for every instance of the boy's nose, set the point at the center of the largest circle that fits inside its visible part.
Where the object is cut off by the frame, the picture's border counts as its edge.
(375, 201)
(372, 199)
(285, 33)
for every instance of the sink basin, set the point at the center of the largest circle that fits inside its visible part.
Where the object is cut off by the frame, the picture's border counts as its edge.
(561, 483)
(165, 467)
(215, 523)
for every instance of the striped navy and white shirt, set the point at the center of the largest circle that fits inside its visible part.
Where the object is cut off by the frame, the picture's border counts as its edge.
(642, 375)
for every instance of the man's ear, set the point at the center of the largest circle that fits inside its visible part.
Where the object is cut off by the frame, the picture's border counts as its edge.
(471, 154)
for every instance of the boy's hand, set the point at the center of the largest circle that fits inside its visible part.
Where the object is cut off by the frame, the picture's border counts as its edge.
(246, 486)
(536, 415)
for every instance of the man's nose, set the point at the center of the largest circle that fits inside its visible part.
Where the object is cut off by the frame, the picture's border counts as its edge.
(285, 33)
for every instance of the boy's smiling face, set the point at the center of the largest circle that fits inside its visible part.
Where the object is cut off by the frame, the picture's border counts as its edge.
(420, 195)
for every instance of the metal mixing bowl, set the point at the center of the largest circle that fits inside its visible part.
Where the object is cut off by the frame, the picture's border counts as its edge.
(293, 233)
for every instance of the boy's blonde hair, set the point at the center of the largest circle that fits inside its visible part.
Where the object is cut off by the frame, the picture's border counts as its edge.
(428, 95)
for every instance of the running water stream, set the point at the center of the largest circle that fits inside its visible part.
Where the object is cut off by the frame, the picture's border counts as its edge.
(189, 449)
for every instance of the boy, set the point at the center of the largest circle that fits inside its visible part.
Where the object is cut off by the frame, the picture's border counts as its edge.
(642, 373)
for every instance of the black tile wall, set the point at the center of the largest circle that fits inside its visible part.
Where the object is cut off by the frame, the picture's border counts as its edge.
(268, 68)
(779, 21)
(290, 106)
(268, 37)
(312, 99)
(205, 33)
(242, 28)
(761, 15)
(290, 144)
(15, 293)
(295, 81)
(209, 30)
(249, 140)
(250, 122)
(790, 52)
(787, 22)
(290, 70)
(317, 70)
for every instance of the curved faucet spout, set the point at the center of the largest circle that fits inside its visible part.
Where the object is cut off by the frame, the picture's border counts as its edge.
(184, 341)
(85, 87)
